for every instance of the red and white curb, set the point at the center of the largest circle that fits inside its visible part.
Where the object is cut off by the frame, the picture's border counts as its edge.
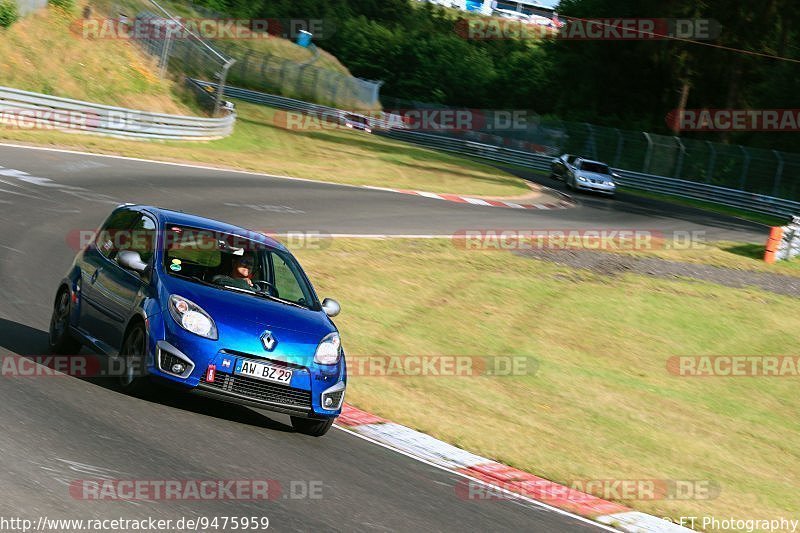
(507, 479)
(561, 204)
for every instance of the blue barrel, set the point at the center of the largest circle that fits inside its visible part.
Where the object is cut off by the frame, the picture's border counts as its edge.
(304, 38)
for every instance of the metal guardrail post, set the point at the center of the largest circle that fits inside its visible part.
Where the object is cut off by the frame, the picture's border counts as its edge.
(620, 144)
(649, 154)
(778, 173)
(679, 163)
(591, 143)
(745, 167)
(712, 161)
(221, 87)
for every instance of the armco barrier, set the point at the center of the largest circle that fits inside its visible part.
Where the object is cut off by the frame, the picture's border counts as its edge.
(282, 102)
(23, 109)
(627, 179)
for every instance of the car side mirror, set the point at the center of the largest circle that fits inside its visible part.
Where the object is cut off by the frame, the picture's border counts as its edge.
(331, 307)
(130, 260)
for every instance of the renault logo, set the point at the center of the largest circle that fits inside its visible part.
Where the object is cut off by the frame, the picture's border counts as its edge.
(268, 341)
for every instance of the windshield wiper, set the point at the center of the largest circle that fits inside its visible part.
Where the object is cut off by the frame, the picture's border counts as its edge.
(281, 300)
(266, 295)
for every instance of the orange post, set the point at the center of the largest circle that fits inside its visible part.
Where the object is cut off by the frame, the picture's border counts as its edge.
(773, 242)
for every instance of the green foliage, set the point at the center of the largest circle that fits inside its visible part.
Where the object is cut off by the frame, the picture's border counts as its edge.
(8, 13)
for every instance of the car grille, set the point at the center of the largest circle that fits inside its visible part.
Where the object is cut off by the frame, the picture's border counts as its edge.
(256, 389)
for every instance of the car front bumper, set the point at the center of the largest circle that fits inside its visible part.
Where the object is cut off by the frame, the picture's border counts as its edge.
(595, 187)
(304, 396)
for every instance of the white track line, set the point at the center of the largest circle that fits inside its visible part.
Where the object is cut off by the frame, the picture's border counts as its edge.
(496, 487)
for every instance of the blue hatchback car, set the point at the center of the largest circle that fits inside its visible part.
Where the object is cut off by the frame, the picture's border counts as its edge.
(213, 308)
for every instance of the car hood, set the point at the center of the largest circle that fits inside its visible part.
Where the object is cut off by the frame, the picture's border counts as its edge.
(242, 319)
(595, 176)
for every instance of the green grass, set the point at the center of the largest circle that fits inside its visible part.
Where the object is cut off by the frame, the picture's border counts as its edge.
(602, 404)
(261, 143)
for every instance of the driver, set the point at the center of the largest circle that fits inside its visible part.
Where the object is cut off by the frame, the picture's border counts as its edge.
(241, 271)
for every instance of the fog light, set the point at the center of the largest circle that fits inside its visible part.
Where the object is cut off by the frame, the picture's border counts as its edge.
(178, 368)
(328, 401)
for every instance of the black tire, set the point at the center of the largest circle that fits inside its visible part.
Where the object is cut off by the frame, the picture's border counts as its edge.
(134, 347)
(309, 426)
(60, 339)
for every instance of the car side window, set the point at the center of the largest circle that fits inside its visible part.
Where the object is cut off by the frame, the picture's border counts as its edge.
(142, 238)
(285, 282)
(113, 234)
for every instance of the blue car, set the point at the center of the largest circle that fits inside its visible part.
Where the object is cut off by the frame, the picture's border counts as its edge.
(211, 308)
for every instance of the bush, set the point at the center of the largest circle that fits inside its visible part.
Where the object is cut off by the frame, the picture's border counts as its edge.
(8, 13)
(67, 5)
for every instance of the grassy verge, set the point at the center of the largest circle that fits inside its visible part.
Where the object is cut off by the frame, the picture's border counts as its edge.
(105, 71)
(738, 255)
(339, 155)
(602, 404)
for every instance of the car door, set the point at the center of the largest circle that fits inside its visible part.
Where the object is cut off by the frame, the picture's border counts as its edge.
(97, 257)
(115, 289)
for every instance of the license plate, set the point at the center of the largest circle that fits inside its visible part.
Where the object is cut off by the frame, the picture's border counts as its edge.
(256, 370)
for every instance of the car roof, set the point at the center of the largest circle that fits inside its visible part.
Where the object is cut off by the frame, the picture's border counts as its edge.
(591, 161)
(179, 218)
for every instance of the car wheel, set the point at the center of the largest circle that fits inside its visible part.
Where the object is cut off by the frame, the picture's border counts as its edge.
(60, 340)
(133, 351)
(309, 426)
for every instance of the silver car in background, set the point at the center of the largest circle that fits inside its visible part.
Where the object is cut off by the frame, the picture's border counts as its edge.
(581, 174)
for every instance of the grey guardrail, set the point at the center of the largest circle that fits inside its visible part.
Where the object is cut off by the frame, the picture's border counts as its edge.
(768, 205)
(627, 179)
(25, 109)
(290, 104)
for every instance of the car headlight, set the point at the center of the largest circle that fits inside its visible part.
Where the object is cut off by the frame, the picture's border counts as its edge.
(329, 350)
(191, 317)
(581, 178)
(611, 184)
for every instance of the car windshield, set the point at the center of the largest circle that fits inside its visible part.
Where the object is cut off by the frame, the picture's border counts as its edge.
(357, 119)
(594, 167)
(235, 263)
